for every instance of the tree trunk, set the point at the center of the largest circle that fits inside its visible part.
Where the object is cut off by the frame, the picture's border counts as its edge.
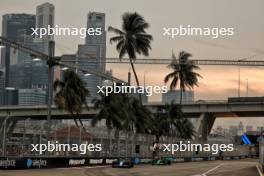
(117, 137)
(127, 141)
(156, 150)
(110, 142)
(181, 89)
(136, 77)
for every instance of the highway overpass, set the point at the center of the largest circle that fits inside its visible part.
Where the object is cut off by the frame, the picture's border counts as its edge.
(194, 110)
(205, 111)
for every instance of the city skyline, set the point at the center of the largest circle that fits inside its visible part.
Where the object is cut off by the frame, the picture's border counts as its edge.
(201, 48)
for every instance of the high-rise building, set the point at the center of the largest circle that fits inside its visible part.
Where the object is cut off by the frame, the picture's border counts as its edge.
(45, 18)
(175, 95)
(45, 15)
(23, 72)
(2, 79)
(2, 57)
(9, 96)
(92, 54)
(15, 27)
(31, 97)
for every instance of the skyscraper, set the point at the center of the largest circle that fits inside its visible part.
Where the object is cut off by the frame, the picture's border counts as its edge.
(15, 27)
(92, 54)
(31, 97)
(22, 71)
(45, 17)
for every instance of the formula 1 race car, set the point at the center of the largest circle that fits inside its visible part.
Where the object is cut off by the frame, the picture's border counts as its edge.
(122, 163)
(162, 161)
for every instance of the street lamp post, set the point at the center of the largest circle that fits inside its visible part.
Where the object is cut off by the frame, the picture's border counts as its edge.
(4, 136)
(5, 122)
(238, 90)
(50, 64)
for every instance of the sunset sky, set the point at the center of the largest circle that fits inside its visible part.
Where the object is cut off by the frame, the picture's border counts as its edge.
(219, 82)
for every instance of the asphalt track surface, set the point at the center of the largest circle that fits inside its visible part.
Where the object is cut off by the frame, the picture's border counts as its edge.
(205, 168)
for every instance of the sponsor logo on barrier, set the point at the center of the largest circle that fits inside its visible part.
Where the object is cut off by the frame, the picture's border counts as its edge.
(7, 163)
(34, 163)
(197, 159)
(96, 161)
(145, 160)
(178, 160)
(211, 158)
(109, 161)
(74, 162)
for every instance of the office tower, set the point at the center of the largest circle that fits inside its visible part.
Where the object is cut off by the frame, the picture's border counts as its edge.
(45, 18)
(92, 54)
(87, 59)
(45, 15)
(14, 27)
(2, 78)
(31, 97)
(9, 96)
(174, 95)
(23, 72)
(2, 56)
(97, 20)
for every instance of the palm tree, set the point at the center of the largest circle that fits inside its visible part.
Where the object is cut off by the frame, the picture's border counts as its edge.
(183, 72)
(139, 119)
(122, 112)
(71, 93)
(132, 39)
(113, 110)
(171, 122)
(179, 125)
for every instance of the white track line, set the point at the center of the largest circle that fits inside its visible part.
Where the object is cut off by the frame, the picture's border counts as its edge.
(211, 170)
(259, 171)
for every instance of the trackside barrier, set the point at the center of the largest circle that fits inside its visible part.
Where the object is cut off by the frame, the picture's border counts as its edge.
(31, 162)
(61, 162)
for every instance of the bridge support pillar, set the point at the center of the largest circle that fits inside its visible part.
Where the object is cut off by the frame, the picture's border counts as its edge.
(204, 125)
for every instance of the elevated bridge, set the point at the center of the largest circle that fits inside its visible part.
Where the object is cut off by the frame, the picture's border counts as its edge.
(205, 112)
(193, 110)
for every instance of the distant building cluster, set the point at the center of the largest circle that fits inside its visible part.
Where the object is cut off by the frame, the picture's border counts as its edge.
(236, 130)
(23, 79)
